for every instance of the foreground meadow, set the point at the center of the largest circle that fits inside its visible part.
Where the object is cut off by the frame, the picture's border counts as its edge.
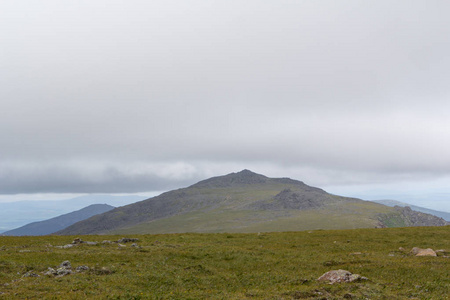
(230, 266)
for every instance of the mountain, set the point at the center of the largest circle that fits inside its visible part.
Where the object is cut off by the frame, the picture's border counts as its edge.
(20, 213)
(245, 202)
(440, 214)
(61, 222)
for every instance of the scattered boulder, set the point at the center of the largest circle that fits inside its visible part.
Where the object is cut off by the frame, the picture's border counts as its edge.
(127, 240)
(63, 272)
(337, 276)
(423, 252)
(30, 274)
(135, 245)
(82, 268)
(65, 268)
(106, 242)
(65, 264)
(76, 242)
(51, 272)
(65, 246)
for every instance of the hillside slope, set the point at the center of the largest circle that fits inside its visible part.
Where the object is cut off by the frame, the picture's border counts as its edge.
(441, 214)
(58, 223)
(241, 202)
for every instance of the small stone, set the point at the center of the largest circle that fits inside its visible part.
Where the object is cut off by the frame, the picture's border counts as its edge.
(82, 268)
(77, 241)
(106, 242)
(51, 272)
(120, 245)
(91, 243)
(63, 272)
(348, 296)
(127, 240)
(30, 274)
(65, 264)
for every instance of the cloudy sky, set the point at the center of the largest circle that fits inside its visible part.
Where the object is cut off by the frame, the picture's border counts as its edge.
(133, 96)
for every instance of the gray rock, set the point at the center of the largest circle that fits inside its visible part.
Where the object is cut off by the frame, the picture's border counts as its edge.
(82, 268)
(30, 274)
(91, 243)
(127, 240)
(65, 264)
(423, 252)
(337, 276)
(65, 268)
(63, 272)
(51, 272)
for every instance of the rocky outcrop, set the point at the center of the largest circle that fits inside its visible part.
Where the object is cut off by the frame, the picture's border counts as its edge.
(415, 218)
(288, 199)
(337, 276)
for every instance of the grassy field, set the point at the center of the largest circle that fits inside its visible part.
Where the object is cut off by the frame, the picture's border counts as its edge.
(230, 266)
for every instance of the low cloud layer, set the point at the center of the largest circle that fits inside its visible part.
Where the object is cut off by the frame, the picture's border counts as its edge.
(116, 96)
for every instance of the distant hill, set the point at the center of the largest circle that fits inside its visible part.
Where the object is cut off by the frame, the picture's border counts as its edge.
(440, 214)
(247, 202)
(58, 223)
(19, 213)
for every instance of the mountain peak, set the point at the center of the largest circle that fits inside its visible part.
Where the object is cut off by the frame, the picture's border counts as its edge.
(246, 172)
(243, 177)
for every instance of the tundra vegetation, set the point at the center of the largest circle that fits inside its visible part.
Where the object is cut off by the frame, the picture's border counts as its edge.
(282, 265)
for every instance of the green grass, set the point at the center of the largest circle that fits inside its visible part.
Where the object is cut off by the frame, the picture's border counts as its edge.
(231, 266)
(339, 216)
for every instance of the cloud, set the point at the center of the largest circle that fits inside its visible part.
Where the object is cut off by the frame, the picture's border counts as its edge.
(115, 96)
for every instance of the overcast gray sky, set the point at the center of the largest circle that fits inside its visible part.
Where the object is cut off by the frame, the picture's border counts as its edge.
(139, 96)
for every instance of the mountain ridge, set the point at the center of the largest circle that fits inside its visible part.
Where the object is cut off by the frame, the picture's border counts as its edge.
(241, 202)
(60, 222)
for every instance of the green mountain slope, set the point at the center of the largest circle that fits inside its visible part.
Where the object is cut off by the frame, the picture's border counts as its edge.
(242, 202)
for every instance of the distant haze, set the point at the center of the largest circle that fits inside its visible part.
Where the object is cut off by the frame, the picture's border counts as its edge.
(135, 96)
